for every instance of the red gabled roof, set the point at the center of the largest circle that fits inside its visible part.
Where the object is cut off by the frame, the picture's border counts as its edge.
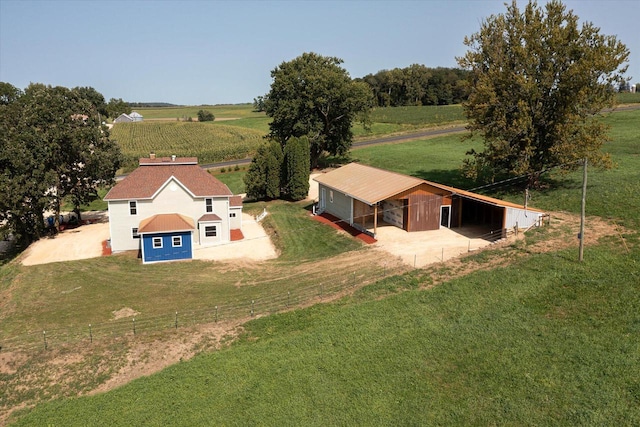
(235, 201)
(165, 223)
(144, 182)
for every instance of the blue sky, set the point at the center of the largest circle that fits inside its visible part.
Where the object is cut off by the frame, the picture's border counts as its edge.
(221, 52)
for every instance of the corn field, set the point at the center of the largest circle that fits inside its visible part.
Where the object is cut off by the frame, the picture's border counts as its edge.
(186, 139)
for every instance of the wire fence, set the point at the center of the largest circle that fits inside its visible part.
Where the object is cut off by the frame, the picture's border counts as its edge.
(230, 311)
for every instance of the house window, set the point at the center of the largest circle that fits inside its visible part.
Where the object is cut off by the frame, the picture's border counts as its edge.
(133, 208)
(232, 215)
(331, 196)
(211, 231)
(157, 242)
(208, 205)
(134, 233)
(176, 241)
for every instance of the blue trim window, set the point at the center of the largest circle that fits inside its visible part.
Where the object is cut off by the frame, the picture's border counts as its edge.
(157, 243)
(208, 203)
(211, 231)
(133, 207)
(176, 241)
(134, 233)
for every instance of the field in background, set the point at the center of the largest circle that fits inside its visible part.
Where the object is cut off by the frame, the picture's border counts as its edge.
(216, 141)
(628, 98)
(209, 142)
(219, 111)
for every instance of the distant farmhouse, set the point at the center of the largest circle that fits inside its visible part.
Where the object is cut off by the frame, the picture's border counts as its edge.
(127, 118)
(170, 206)
(364, 196)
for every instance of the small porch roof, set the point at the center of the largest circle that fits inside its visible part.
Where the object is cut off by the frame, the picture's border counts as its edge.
(165, 223)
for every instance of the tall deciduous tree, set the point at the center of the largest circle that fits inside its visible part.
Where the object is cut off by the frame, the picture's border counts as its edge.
(115, 107)
(24, 179)
(53, 146)
(538, 81)
(313, 96)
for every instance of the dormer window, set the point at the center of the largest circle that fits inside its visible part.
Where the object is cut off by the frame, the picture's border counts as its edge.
(208, 205)
(133, 208)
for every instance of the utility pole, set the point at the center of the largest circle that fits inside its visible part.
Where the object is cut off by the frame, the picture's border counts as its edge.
(582, 209)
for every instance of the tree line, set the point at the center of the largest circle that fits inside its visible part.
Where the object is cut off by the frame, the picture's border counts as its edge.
(53, 148)
(418, 85)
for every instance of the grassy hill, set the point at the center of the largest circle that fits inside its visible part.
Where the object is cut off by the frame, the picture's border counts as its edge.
(531, 338)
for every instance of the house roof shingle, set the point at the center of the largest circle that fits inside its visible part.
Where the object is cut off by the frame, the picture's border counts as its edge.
(153, 174)
(163, 223)
(209, 218)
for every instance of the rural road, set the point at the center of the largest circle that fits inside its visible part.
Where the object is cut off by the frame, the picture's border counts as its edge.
(357, 144)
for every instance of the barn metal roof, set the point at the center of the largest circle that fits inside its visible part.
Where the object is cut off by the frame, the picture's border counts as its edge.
(372, 185)
(366, 183)
(163, 223)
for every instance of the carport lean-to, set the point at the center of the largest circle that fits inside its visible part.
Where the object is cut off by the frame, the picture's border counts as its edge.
(363, 196)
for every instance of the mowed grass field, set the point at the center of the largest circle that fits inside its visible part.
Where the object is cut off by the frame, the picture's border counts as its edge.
(538, 341)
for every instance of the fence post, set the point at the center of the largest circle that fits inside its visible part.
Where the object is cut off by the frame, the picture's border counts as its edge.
(134, 326)
(442, 255)
(469, 249)
(252, 308)
(44, 337)
(288, 298)
(415, 258)
(176, 320)
(354, 279)
(216, 314)
(90, 334)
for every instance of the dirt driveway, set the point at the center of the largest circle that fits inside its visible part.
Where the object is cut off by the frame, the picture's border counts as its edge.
(421, 248)
(86, 242)
(77, 243)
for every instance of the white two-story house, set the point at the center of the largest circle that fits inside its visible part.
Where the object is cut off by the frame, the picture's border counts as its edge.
(168, 206)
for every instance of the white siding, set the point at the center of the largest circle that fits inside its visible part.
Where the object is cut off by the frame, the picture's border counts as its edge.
(236, 222)
(524, 218)
(339, 205)
(172, 198)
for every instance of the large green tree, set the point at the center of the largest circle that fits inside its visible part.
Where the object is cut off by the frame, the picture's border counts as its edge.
(25, 182)
(115, 107)
(53, 147)
(538, 81)
(313, 96)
